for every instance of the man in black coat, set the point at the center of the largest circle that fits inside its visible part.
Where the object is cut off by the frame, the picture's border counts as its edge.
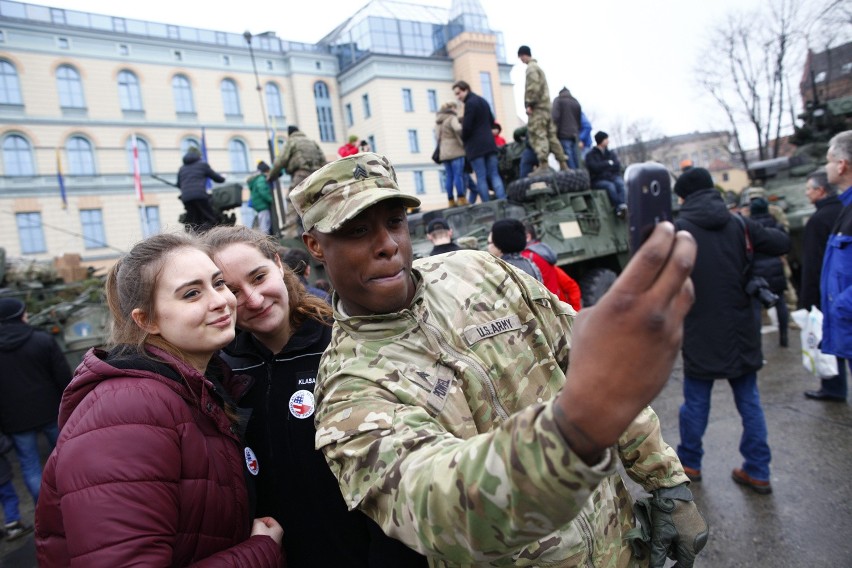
(34, 375)
(722, 330)
(605, 172)
(192, 181)
(823, 196)
(479, 146)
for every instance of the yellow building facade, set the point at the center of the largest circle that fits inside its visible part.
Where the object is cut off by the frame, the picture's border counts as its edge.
(76, 88)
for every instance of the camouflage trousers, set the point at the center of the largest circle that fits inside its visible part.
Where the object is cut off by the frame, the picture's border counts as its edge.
(292, 227)
(542, 137)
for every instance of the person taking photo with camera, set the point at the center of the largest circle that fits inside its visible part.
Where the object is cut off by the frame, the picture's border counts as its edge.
(721, 338)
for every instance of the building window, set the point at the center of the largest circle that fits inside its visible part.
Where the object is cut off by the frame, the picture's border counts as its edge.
(182, 93)
(273, 101)
(187, 143)
(324, 114)
(725, 176)
(70, 87)
(150, 221)
(230, 98)
(419, 185)
(17, 156)
(226, 60)
(10, 88)
(485, 86)
(372, 141)
(178, 54)
(92, 222)
(365, 101)
(144, 156)
(239, 156)
(81, 158)
(350, 118)
(62, 43)
(2, 36)
(123, 49)
(269, 65)
(845, 70)
(413, 143)
(119, 25)
(432, 95)
(407, 102)
(128, 91)
(30, 233)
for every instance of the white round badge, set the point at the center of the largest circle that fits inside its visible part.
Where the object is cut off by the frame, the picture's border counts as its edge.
(302, 404)
(251, 461)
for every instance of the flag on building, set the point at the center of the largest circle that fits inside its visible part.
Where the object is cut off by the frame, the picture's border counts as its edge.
(209, 183)
(61, 180)
(137, 175)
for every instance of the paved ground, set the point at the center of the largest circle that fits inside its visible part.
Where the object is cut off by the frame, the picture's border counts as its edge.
(807, 521)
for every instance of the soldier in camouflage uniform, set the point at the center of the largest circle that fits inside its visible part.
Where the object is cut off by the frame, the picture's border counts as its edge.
(300, 157)
(542, 132)
(446, 405)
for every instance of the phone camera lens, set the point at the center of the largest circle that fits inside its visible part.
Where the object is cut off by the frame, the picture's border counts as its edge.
(655, 188)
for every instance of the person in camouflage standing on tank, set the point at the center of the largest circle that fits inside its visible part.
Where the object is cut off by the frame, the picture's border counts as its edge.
(447, 407)
(300, 157)
(542, 132)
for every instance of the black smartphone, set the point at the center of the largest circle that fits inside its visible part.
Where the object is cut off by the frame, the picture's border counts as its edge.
(649, 200)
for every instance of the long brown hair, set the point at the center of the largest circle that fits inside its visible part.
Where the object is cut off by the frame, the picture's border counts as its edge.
(303, 305)
(131, 284)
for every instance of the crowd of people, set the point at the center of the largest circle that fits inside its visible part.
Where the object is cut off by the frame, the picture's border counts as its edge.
(456, 410)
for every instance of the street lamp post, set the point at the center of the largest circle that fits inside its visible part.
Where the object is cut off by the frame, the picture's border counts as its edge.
(277, 200)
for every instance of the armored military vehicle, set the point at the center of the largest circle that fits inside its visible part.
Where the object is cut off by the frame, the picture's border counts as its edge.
(783, 179)
(75, 313)
(577, 222)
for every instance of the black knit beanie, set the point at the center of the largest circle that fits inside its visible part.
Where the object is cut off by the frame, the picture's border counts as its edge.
(692, 180)
(11, 309)
(524, 50)
(509, 235)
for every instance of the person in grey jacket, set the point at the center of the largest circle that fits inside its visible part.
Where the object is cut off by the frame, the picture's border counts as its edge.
(567, 116)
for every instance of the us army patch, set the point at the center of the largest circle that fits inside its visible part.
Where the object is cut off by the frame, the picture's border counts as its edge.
(475, 333)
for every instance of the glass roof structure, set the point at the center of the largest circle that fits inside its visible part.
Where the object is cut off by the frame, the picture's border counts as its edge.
(402, 28)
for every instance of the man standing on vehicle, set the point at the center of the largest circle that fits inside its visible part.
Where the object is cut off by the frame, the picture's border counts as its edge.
(836, 281)
(542, 132)
(300, 157)
(567, 116)
(192, 182)
(479, 146)
(446, 404)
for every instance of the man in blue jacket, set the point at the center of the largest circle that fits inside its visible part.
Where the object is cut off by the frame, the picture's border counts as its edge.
(836, 280)
(479, 146)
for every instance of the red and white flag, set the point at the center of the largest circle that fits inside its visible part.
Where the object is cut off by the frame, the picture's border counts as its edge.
(137, 176)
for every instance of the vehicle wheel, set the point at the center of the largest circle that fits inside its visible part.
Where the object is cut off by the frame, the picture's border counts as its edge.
(557, 182)
(594, 284)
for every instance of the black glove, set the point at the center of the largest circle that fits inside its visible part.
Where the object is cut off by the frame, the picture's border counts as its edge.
(678, 529)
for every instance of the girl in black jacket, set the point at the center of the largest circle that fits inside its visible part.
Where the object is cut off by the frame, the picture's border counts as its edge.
(284, 331)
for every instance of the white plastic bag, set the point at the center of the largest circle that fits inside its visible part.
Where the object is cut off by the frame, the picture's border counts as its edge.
(815, 361)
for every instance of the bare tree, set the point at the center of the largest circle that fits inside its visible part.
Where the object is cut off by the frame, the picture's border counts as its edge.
(750, 61)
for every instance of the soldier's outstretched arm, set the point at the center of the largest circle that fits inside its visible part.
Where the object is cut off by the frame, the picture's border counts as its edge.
(642, 315)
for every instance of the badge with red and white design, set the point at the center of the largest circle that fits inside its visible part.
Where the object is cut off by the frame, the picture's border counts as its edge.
(251, 461)
(302, 404)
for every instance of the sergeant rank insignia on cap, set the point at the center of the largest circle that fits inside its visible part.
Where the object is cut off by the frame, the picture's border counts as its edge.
(360, 172)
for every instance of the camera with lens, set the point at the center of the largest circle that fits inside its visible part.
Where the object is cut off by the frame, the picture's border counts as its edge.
(758, 287)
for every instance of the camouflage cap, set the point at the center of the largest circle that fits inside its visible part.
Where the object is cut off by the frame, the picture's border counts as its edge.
(339, 191)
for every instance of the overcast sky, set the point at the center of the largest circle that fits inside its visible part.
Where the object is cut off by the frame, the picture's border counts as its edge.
(624, 60)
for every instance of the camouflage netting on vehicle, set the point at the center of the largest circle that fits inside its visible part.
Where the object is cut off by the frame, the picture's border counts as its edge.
(569, 181)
